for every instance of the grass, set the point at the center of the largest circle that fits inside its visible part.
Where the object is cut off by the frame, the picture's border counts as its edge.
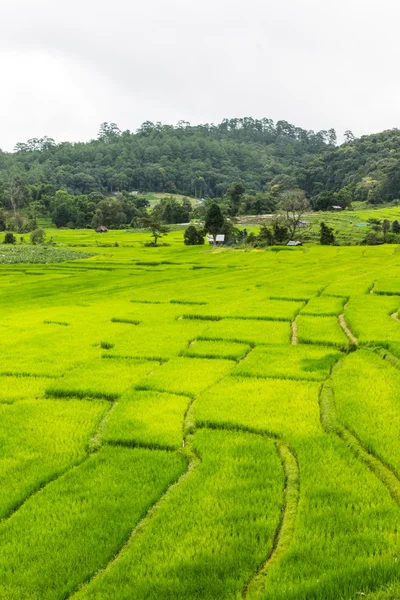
(367, 395)
(293, 362)
(75, 525)
(47, 438)
(188, 376)
(161, 437)
(321, 330)
(149, 418)
(216, 349)
(212, 533)
(97, 379)
(324, 306)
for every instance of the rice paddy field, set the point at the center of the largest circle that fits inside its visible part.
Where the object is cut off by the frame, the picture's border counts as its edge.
(182, 423)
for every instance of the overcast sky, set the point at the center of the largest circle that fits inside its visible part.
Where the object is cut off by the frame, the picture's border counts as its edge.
(66, 66)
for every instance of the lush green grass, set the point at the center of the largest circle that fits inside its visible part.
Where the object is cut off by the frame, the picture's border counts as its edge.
(187, 376)
(39, 440)
(100, 379)
(148, 418)
(324, 306)
(321, 330)
(367, 393)
(293, 362)
(72, 528)
(153, 357)
(216, 349)
(212, 533)
(370, 318)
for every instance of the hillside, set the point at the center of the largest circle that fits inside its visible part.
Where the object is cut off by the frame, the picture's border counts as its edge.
(192, 160)
(69, 181)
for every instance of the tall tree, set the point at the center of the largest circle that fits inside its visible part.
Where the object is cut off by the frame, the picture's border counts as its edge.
(214, 221)
(235, 194)
(294, 205)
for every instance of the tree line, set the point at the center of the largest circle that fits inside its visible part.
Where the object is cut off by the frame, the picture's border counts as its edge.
(243, 164)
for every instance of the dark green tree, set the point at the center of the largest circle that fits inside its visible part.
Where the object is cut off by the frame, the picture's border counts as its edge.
(235, 194)
(385, 229)
(327, 237)
(396, 226)
(280, 232)
(214, 221)
(193, 236)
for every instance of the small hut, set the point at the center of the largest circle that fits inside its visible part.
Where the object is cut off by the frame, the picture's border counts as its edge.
(101, 229)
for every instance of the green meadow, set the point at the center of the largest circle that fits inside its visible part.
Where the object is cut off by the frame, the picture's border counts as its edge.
(181, 423)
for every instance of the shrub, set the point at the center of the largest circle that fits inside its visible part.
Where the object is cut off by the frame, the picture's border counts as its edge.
(9, 238)
(193, 236)
(38, 236)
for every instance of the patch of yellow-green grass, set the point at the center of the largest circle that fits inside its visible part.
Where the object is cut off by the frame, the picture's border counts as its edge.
(22, 387)
(74, 527)
(39, 440)
(211, 534)
(216, 349)
(148, 418)
(288, 362)
(185, 375)
(100, 379)
(321, 330)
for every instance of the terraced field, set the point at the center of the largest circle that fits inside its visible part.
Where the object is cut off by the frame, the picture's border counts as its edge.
(182, 423)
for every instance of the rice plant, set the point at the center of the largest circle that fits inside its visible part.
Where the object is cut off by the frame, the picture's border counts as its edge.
(211, 534)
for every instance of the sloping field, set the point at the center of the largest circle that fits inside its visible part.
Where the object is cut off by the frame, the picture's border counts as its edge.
(187, 423)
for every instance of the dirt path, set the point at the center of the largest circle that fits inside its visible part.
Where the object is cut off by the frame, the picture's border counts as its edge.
(347, 330)
(295, 336)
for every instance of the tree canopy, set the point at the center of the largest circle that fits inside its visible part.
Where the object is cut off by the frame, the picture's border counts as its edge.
(245, 164)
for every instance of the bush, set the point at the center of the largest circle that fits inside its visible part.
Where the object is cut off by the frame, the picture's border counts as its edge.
(9, 238)
(38, 236)
(193, 236)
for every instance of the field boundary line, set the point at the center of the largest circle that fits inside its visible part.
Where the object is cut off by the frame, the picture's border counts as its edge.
(346, 328)
(116, 443)
(295, 332)
(255, 585)
(285, 530)
(331, 424)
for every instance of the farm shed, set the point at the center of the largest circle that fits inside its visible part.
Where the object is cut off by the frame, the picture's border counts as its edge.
(337, 208)
(292, 243)
(219, 239)
(101, 229)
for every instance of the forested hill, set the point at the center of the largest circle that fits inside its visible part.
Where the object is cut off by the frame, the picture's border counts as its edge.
(197, 161)
(200, 161)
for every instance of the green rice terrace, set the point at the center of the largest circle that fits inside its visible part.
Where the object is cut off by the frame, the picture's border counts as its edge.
(183, 423)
